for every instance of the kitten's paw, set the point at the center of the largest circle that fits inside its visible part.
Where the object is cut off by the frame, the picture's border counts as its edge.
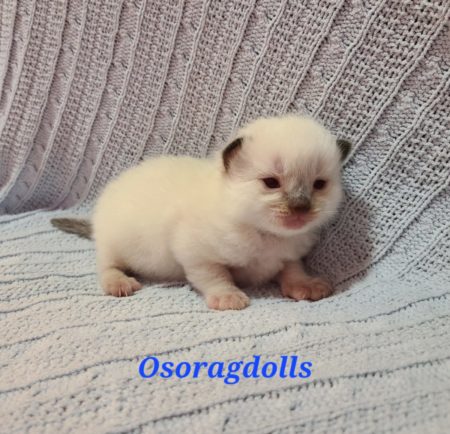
(121, 286)
(313, 288)
(234, 300)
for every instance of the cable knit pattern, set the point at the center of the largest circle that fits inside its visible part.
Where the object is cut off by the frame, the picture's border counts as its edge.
(91, 87)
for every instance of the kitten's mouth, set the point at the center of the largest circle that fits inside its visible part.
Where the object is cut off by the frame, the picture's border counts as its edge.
(294, 221)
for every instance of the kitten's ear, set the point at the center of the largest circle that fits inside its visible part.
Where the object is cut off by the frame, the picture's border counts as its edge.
(230, 152)
(344, 148)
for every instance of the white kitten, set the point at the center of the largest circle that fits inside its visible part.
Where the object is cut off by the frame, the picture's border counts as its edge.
(244, 217)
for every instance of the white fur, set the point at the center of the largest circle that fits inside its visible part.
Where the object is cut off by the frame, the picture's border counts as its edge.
(173, 218)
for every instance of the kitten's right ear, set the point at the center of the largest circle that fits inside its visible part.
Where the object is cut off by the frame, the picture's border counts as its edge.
(344, 147)
(231, 151)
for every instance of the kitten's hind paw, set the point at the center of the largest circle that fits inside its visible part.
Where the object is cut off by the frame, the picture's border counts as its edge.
(230, 300)
(120, 285)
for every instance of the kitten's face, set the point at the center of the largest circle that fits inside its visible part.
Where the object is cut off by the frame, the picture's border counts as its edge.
(284, 174)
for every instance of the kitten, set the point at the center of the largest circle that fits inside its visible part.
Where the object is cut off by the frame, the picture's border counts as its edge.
(244, 217)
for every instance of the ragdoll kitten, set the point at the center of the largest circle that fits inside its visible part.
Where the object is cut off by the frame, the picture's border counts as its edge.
(242, 218)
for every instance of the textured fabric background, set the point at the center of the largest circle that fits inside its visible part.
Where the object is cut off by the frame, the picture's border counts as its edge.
(91, 87)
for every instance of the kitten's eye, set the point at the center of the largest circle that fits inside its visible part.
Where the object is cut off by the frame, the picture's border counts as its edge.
(319, 184)
(271, 182)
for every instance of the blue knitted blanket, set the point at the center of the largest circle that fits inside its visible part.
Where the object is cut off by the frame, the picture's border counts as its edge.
(90, 87)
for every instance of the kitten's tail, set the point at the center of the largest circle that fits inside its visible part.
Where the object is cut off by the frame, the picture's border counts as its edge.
(80, 227)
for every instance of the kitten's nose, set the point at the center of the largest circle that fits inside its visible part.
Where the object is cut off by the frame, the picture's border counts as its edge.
(301, 204)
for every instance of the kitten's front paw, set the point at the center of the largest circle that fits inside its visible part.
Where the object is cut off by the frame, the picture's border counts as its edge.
(312, 288)
(234, 300)
(121, 286)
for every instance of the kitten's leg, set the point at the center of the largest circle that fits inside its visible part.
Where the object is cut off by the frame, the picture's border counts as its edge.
(216, 284)
(297, 284)
(113, 280)
(117, 283)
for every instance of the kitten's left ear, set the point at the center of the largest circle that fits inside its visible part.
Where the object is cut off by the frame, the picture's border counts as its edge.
(231, 151)
(344, 147)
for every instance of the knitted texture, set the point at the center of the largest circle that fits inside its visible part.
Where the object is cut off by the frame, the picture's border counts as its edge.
(91, 87)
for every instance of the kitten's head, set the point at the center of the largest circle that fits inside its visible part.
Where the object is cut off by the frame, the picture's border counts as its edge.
(283, 174)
